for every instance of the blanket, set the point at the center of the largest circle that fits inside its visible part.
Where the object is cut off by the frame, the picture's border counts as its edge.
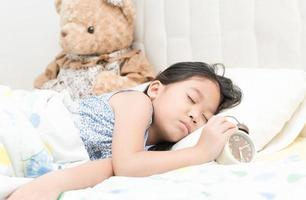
(37, 133)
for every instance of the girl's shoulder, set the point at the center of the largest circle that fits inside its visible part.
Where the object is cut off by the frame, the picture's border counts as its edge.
(131, 100)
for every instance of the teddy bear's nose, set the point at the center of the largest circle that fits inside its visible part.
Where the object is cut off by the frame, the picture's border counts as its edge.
(63, 33)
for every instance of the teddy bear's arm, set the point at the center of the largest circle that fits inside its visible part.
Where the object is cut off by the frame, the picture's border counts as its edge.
(108, 81)
(49, 74)
(138, 68)
(51, 71)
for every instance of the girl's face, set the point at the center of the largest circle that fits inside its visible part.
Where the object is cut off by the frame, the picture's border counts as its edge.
(182, 107)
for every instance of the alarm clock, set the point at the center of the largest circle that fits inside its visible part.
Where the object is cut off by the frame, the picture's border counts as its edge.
(239, 148)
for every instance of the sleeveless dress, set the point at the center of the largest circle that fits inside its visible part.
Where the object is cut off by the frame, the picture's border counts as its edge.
(95, 120)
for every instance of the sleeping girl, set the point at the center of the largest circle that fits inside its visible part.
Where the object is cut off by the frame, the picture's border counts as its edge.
(129, 133)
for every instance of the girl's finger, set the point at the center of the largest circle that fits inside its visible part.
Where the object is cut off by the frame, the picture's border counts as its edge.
(230, 132)
(220, 119)
(226, 126)
(212, 119)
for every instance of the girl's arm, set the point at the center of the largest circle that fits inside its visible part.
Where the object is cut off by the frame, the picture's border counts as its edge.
(128, 155)
(50, 185)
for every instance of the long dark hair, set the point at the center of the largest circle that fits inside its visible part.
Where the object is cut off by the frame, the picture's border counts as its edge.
(231, 94)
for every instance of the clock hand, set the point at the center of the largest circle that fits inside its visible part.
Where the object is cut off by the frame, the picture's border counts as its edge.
(241, 156)
(243, 147)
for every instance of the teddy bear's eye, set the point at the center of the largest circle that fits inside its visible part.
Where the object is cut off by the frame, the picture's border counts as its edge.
(91, 29)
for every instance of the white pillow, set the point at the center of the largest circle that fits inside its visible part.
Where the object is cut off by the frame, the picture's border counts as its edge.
(270, 98)
(292, 129)
(303, 132)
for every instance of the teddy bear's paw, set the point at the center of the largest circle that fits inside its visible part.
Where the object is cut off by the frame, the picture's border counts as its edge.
(118, 3)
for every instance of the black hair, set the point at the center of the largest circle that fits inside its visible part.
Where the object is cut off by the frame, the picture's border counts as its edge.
(230, 94)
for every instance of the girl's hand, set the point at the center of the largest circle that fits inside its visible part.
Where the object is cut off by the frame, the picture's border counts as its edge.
(50, 185)
(214, 136)
(34, 190)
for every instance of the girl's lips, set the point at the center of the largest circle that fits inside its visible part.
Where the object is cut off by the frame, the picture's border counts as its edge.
(187, 126)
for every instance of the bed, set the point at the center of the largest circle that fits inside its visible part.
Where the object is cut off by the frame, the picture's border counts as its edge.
(264, 57)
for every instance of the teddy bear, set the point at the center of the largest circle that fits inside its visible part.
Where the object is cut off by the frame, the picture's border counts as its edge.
(97, 56)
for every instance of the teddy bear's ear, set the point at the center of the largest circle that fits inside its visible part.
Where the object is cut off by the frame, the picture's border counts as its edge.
(118, 3)
(58, 4)
(129, 10)
(127, 7)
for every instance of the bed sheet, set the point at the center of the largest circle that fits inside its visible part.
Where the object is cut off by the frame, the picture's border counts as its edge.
(211, 181)
(271, 176)
(295, 150)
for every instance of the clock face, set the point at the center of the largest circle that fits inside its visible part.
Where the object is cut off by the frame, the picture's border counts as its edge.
(241, 148)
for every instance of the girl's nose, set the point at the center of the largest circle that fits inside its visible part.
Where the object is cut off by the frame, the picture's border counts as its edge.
(192, 118)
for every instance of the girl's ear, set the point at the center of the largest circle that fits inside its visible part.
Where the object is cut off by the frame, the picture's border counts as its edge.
(154, 89)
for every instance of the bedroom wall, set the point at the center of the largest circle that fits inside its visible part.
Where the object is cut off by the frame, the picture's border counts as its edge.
(28, 40)
(240, 33)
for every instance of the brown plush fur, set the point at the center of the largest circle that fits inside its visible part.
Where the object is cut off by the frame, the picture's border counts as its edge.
(113, 31)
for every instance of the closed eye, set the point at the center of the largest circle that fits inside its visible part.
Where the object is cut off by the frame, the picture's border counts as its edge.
(205, 118)
(191, 99)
